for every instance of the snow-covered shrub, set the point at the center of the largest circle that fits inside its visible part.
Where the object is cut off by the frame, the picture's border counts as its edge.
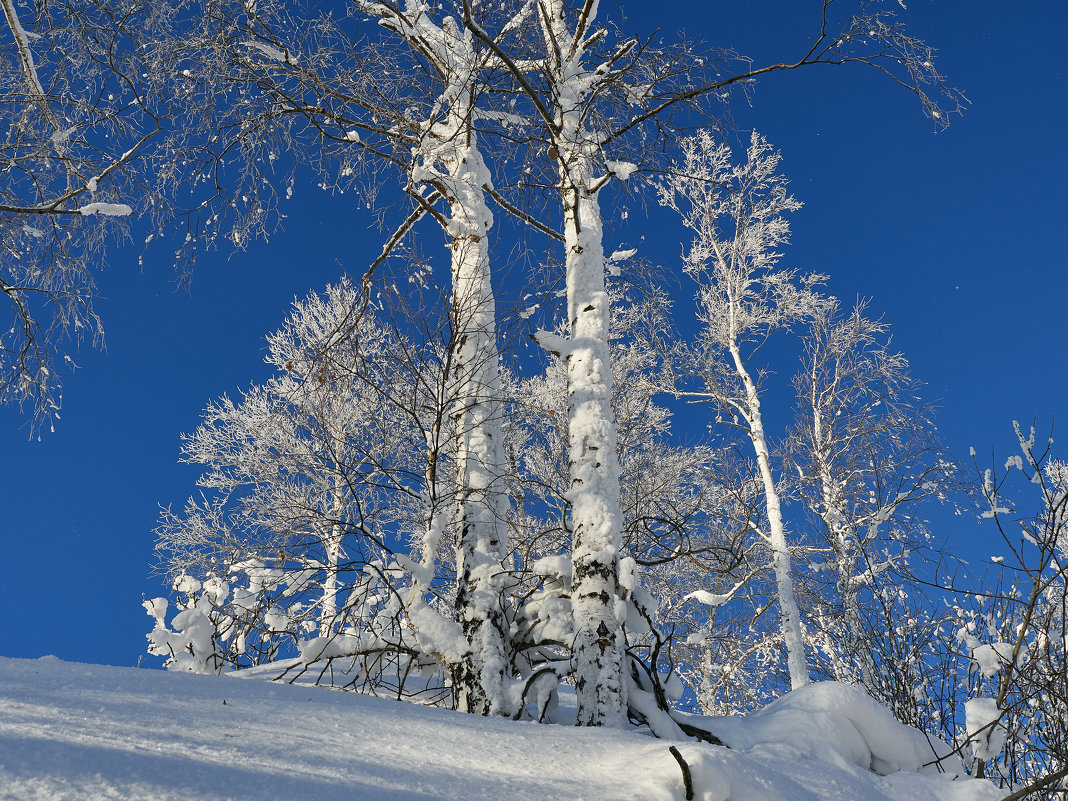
(193, 642)
(1013, 634)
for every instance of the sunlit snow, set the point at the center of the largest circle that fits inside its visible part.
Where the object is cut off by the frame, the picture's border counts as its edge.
(81, 732)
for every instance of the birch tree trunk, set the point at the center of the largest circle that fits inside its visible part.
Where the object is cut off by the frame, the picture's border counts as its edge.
(738, 216)
(596, 520)
(332, 549)
(481, 505)
(776, 537)
(843, 536)
(448, 159)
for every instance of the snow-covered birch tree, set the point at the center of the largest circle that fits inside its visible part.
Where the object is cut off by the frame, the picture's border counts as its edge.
(672, 502)
(405, 99)
(449, 161)
(595, 517)
(737, 213)
(306, 477)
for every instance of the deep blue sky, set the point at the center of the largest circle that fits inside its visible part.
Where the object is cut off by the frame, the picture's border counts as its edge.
(957, 238)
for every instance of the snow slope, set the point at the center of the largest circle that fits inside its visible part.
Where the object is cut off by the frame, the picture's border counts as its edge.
(72, 731)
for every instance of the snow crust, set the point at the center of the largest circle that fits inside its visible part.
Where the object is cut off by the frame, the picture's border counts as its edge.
(80, 732)
(621, 169)
(707, 598)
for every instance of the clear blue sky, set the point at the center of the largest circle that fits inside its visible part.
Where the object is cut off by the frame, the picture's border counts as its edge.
(956, 237)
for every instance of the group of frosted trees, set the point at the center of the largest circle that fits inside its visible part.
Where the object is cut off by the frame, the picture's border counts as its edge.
(452, 101)
(412, 506)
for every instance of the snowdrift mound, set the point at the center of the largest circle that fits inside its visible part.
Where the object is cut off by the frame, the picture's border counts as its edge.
(80, 732)
(839, 724)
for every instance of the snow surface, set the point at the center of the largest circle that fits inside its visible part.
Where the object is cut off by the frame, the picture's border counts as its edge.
(838, 724)
(79, 732)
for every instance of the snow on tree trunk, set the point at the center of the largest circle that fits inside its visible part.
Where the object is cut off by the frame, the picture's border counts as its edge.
(332, 548)
(448, 159)
(596, 519)
(481, 505)
(594, 495)
(776, 537)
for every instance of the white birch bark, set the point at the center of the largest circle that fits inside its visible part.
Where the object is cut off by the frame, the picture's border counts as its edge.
(449, 160)
(793, 637)
(36, 90)
(332, 549)
(29, 68)
(843, 537)
(481, 504)
(596, 520)
(737, 214)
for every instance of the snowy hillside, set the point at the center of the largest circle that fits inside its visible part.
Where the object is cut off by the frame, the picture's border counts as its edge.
(72, 731)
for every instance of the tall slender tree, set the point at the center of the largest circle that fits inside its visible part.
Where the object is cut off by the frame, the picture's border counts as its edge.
(449, 162)
(738, 215)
